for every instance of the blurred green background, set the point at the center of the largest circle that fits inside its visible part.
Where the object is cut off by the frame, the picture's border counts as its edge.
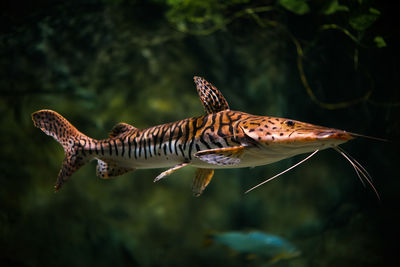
(100, 62)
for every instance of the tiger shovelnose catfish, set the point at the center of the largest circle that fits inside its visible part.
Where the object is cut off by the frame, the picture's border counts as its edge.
(222, 138)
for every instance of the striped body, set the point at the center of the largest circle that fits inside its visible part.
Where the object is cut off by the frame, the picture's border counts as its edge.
(222, 138)
(169, 144)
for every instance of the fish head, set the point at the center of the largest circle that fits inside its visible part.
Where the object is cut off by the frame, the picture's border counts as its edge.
(274, 139)
(291, 137)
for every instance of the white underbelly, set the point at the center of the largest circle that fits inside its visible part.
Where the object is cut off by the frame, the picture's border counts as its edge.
(247, 160)
(250, 158)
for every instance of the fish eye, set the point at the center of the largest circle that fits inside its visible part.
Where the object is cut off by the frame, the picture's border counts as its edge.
(289, 123)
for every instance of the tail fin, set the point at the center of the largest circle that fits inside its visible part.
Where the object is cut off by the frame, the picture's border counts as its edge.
(73, 142)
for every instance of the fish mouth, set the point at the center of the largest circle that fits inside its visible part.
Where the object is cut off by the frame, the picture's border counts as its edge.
(319, 135)
(333, 134)
(343, 135)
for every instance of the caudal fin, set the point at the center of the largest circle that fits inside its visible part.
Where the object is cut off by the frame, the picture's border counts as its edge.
(73, 142)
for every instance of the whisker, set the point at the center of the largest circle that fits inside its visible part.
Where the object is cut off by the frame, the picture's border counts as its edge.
(364, 172)
(369, 137)
(354, 167)
(358, 171)
(279, 174)
(356, 162)
(359, 176)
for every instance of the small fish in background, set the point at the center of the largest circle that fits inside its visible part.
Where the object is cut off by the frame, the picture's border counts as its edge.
(256, 243)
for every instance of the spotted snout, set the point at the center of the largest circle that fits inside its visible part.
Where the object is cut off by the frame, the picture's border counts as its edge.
(269, 131)
(333, 134)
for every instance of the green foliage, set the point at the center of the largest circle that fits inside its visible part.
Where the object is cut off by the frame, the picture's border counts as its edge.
(333, 6)
(206, 13)
(299, 7)
(379, 41)
(362, 20)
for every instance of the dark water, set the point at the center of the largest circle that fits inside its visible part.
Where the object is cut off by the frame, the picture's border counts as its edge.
(102, 62)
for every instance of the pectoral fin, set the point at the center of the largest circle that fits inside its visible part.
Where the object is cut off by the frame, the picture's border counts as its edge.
(201, 179)
(169, 171)
(221, 156)
(109, 169)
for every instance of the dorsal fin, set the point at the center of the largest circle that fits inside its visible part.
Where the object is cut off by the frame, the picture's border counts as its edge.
(211, 98)
(121, 128)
